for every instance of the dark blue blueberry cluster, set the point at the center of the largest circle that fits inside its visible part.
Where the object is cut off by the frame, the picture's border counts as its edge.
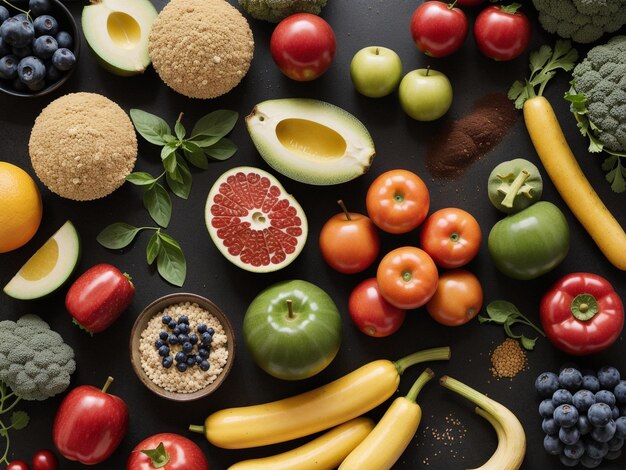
(193, 348)
(584, 414)
(34, 52)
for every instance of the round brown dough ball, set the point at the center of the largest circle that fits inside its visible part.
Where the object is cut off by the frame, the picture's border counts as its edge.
(201, 48)
(82, 146)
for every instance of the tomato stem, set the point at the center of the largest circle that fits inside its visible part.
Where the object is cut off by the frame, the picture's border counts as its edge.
(344, 209)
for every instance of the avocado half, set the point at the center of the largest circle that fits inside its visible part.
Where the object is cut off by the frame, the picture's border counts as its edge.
(117, 32)
(311, 141)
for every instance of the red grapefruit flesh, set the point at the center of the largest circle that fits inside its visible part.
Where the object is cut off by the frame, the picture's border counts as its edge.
(253, 221)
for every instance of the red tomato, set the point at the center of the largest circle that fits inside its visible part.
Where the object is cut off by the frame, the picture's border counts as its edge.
(17, 465)
(179, 452)
(407, 277)
(303, 46)
(451, 237)
(458, 298)
(371, 313)
(45, 460)
(397, 201)
(502, 32)
(349, 242)
(438, 28)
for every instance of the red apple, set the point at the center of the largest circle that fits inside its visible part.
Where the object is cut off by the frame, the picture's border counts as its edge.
(371, 313)
(167, 451)
(89, 424)
(349, 241)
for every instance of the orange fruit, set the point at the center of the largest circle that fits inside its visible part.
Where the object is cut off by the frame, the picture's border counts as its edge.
(20, 207)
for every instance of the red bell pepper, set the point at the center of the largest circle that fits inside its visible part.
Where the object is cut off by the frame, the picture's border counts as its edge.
(582, 314)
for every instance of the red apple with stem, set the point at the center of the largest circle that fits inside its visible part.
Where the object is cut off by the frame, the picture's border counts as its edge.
(349, 241)
(371, 313)
(90, 424)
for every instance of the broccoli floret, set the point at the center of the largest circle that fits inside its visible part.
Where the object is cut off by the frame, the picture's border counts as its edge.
(35, 362)
(276, 10)
(582, 21)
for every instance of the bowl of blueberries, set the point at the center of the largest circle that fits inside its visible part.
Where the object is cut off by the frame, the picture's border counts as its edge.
(39, 46)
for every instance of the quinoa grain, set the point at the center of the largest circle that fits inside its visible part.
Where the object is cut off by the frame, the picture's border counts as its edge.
(508, 359)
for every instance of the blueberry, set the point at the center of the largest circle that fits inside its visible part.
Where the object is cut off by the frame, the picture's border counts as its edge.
(31, 70)
(574, 451)
(181, 366)
(165, 318)
(191, 360)
(569, 436)
(613, 454)
(608, 377)
(172, 324)
(19, 85)
(187, 347)
(164, 350)
(193, 338)
(4, 14)
(36, 86)
(570, 378)
(21, 16)
(45, 24)
(201, 328)
(176, 330)
(38, 7)
(588, 462)
(583, 399)
(204, 365)
(8, 67)
(5, 49)
(199, 358)
(17, 32)
(180, 356)
(605, 396)
(567, 461)
(63, 59)
(583, 424)
(599, 414)
(620, 427)
(620, 391)
(183, 327)
(566, 415)
(549, 426)
(207, 338)
(615, 413)
(546, 408)
(172, 339)
(163, 335)
(616, 443)
(21, 52)
(561, 397)
(158, 343)
(552, 444)
(591, 383)
(546, 384)
(204, 353)
(65, 39)
(167, 362)
(595, 449)
(183, 338)
(183, 319)
(604, 433)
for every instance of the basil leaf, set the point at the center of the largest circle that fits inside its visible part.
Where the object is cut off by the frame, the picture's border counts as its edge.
(205, 140)
(174, 175)
(159, 205)
(222, 150)
(168, 155)
(195, 155)
(117, 235)
(179, 129)
(500, 310)
(150, 127)
(153, 247)
(182, 186)
(19, 420)
(218, 123)
(141, 178)
(528, 343)
(171, 263)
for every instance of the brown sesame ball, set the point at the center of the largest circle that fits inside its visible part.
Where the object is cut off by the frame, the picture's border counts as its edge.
(201, 48)
(82, 146)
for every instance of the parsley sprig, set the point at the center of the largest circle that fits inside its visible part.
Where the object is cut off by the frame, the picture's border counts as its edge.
(17, 420)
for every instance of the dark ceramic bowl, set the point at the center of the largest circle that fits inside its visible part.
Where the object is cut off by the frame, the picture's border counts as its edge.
(140, 325)
(66, 23)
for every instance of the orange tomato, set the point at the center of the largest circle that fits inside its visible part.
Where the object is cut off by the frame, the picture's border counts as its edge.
(407, 277)
(451, 237)
(458, 298)
(397, 201)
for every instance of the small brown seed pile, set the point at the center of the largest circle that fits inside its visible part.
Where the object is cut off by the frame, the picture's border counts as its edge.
(508, 359)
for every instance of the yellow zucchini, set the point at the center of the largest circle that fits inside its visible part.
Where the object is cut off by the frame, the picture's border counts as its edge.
(382, 447)
(322, 453)
(566, 175)
(316, 410)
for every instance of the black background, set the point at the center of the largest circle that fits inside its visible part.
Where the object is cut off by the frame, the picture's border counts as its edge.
(400, 143)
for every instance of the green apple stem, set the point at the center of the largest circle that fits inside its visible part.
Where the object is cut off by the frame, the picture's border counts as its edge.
(344, 208)
(107, 384)
(427, 70)
(433, 354)
(290, 308)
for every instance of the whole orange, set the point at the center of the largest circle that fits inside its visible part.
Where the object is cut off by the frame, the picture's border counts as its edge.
(20, 207)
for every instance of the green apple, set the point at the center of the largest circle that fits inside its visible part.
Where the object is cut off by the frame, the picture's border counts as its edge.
(425, 94)
(292, 329)
(375, 71)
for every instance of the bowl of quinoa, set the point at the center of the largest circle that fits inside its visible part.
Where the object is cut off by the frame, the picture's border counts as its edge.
(182, 347)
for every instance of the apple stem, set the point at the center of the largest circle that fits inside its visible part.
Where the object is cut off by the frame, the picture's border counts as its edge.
(344, 209)
(377, 51)
(290, 308)
(452, 4)
(427, 70)
(107, 384)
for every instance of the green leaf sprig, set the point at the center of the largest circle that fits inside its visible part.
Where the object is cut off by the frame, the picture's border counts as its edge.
(18, 419)
(169, 256)
(507, 314)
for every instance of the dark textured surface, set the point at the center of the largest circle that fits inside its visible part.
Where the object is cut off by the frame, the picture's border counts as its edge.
(400, 143)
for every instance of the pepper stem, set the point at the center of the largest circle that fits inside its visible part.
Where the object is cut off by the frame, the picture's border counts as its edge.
(584, 307)
(514, 188)
(433, 354)
(419, 384)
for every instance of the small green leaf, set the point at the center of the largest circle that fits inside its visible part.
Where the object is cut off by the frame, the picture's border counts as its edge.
(539, 58)
(499, 311)
(195, 155)
(528, 343)
(171, 262)
(179, 129)
(222, 150)
(159, 205)
(181, 186)
(153, 247)
(158, 457)
(218, 123)
(204, 140)
(19, 420)
(141, 178)
(117, 235)
(150, 127)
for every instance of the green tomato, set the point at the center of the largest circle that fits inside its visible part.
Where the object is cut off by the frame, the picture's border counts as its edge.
(531, 242)
(292, 329)
(514, 185)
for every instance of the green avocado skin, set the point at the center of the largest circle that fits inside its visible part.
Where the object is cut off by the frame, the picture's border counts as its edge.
(531, 242)
(298, 347)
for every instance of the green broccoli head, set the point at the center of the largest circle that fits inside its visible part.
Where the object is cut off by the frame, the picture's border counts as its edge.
(601, 78)
(35, 362)
(582, 21)
(276, 10)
